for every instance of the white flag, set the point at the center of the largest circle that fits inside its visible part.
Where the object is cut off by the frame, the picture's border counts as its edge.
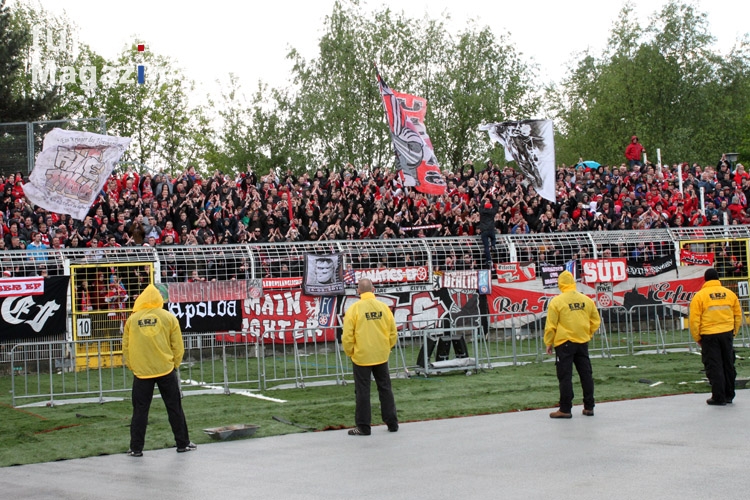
(531, 144)
(71, 170)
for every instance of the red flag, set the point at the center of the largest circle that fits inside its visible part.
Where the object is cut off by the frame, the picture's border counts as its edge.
(417, 162)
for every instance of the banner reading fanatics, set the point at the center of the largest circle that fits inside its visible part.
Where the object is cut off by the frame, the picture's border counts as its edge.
(393, 274)
(71, 170)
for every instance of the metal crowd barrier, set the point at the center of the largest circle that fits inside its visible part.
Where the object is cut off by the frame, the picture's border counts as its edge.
(52, 371)
(51, 375)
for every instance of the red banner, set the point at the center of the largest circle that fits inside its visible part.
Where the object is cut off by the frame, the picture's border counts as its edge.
(604, 270)
(417, 161)
(515, 272)
(287, 316)
(16, 287)
(510, 303)
(394, 274)
(688, 258)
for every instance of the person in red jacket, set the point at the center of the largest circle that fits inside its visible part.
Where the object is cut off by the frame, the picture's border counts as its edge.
(634, 152)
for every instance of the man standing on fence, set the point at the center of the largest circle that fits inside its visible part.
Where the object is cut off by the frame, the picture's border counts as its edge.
(153, 349)
(369, 335)
(487, 211)
(715, 319)
(572, 319)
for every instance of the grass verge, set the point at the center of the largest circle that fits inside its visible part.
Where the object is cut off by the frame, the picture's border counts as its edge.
(33, 435)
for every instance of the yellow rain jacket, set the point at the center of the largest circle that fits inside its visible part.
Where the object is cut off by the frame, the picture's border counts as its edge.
(152, 341)
(571, 316)
(714, 309)
(369, 331)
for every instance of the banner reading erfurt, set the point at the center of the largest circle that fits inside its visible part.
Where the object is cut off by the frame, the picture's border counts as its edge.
(71, 170)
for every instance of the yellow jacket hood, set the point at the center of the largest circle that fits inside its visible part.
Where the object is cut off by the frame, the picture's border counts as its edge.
(150, 299)
(566, 282)
(152, 342)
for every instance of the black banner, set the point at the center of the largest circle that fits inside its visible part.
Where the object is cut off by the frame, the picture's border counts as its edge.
(200, 317)
(29, 316)
(550, 273)
(650, 268)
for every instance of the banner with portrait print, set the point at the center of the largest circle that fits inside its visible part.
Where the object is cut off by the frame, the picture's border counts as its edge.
(324, 274)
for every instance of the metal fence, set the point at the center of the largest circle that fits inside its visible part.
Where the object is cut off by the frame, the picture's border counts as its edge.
(45, 372)
(20, 142)
(61, 365)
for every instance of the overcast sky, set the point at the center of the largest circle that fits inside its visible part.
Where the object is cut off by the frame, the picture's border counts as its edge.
(209, 40)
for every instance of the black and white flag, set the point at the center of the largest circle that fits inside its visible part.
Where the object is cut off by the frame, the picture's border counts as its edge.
(531, 144)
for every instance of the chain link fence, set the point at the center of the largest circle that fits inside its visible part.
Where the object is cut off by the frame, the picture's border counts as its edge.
(21, 142)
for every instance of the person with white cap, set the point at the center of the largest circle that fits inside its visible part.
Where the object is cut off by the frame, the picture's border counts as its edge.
(715, 319)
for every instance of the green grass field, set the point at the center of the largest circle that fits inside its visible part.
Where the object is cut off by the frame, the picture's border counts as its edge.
(42, 434)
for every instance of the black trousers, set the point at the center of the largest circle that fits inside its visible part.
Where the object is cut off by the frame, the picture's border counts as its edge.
(363, 411)
(567, 355)
(143, 393)
(717, 354)
(489, 240)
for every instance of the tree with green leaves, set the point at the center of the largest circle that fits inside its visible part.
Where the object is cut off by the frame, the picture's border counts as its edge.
(664, 83)
(333, 115)
(17, 101)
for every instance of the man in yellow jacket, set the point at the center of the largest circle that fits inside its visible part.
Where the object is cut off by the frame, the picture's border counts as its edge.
(572, 319)
(369, 335)
(715, 318)
(153, 349)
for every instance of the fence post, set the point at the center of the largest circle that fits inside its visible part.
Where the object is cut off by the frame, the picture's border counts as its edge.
(99, 370)
(51, 373)
(29, 147)
(224, 362)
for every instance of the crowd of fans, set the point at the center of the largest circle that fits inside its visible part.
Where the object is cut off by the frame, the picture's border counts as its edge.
(359, 204)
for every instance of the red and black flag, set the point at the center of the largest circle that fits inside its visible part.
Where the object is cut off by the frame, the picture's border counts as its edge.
(418, 165)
